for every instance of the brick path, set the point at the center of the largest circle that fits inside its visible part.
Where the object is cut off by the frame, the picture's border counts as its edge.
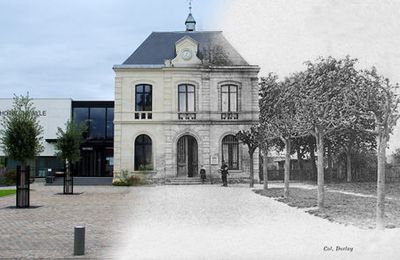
(47, 231)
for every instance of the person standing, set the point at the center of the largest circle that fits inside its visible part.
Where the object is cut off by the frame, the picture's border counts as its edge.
(224, 174)
(203, 174)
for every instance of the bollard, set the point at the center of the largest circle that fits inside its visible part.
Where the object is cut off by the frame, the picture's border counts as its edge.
(79, 240)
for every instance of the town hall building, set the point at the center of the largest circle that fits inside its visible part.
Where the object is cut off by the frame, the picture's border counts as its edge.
(180, 98)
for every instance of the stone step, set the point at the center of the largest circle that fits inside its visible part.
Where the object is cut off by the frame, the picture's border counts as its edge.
(186, 181)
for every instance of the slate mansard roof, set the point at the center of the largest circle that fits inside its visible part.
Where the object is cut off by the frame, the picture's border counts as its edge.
(160, 46)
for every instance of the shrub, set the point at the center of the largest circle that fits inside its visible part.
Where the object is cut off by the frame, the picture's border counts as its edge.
(9, 177)
(126, 180)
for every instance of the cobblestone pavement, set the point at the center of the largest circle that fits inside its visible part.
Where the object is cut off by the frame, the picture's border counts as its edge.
(47, 230)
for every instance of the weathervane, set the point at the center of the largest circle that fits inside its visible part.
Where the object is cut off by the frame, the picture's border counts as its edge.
(190, 6)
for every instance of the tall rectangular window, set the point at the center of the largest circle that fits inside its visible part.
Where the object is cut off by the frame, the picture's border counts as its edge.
(186, 98)
(97, 123)
(110, 123)
(229, 98)
(230, 151)
(143, 97)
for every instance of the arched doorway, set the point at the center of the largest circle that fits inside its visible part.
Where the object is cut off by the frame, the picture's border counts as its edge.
(187, 156)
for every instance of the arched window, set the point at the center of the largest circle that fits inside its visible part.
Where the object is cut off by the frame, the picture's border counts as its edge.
(230, 152)
(186, 98)
(229, 98)
(143, 153)
(143, 97)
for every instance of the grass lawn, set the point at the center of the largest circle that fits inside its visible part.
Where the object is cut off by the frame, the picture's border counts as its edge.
(369, 188)
(6, 192)
(340, 208)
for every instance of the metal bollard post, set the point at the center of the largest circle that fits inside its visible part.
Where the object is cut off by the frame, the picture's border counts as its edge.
(79, 240)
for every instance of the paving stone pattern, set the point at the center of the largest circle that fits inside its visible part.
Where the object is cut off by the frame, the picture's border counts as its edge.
(47, 231)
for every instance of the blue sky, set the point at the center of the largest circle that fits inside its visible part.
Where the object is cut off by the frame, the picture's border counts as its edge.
(54, 48)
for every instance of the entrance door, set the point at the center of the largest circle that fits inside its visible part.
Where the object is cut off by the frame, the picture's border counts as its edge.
(187, 156)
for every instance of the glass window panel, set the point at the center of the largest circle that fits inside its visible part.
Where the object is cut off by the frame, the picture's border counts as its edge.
(182, 102)
(97, 123)
(139, 88)
(225, 155)
(190, 88)
(110, 124)
(139, 102)
(233, 103)
(147, 89)
(143, 98)
(191, 102)
(143, 150)
(182, 88)
(81, 114)
(148, 101)
(233, 89)
(230, 151)
(235, 156)
(225, 89)
(225, 102)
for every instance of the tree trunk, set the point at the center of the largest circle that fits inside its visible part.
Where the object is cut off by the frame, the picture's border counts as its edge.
(381, 142)
(265, 170)
(339, 172)
(251, 171)
(320, 169)
(330, 173)
(348, 165)
(287, 168)
(313, 166)
(300, 163)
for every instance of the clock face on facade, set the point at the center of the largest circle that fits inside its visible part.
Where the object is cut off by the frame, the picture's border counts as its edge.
(186, 54)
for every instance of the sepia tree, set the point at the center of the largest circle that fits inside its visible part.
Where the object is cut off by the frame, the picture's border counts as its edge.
(377, 100)
(326, 94)
(278, 115)
(250, 138)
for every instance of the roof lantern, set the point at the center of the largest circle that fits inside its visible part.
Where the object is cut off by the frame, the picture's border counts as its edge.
(190, 22)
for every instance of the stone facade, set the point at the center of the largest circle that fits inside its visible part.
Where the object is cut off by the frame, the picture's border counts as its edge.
(166, 126)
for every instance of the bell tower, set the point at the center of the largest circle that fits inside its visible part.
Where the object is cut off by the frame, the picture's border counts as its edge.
(190, 22)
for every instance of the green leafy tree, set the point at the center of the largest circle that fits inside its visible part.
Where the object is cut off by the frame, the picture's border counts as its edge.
(251, 139)
(21, 133)
(69, 142)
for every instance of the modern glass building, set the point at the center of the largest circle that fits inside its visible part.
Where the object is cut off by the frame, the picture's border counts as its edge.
(97, 154)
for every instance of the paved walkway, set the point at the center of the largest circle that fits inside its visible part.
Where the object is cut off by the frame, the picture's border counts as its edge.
(47, 231)
(211, 222)
(179, 222)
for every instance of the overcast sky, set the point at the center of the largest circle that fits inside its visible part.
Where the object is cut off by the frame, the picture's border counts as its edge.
(55, 48)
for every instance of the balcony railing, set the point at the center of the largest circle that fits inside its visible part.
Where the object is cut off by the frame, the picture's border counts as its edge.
(229, 115)
(186, 116)
(143, 115)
